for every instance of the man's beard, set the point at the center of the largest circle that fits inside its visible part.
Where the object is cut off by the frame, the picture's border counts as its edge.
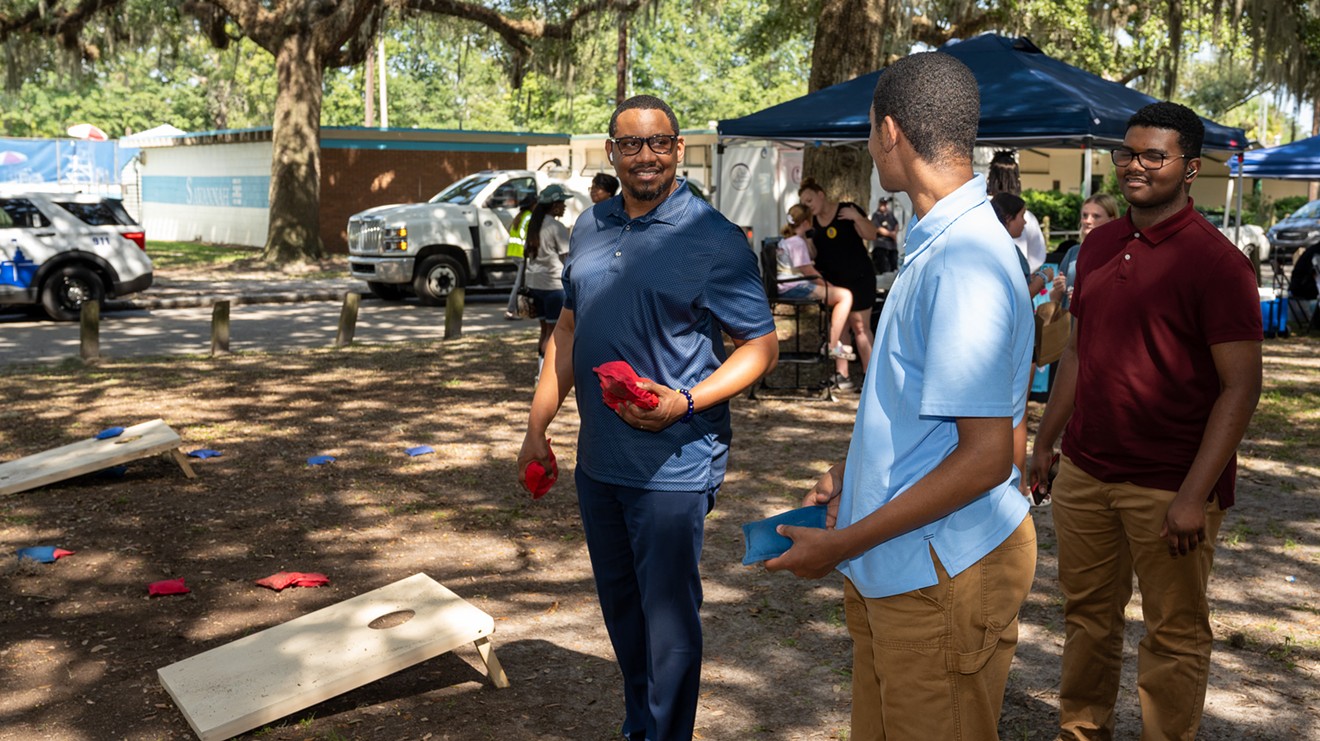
(654, 193)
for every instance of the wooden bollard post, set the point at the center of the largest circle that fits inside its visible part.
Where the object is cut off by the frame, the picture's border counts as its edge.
(348, 319)
(220, 328)
(454, 313)
(90, 331)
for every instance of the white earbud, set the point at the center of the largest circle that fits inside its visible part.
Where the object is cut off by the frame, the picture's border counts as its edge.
(611, 155)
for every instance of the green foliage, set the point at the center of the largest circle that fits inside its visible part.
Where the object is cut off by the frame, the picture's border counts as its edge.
(696, 62)
(184, 82)
(1111, 186)
(442, 73)
(1061, 208)
(1284, 207)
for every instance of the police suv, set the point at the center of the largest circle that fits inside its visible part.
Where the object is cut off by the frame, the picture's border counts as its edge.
(62, 250)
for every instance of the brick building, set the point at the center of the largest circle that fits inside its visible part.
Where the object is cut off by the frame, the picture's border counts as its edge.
(215, 186)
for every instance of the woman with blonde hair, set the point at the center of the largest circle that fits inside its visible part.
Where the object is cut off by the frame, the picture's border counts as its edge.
(842, 259)
(798, 279)
(1099, 209)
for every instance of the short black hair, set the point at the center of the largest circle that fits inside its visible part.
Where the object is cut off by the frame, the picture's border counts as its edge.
(934, 99)
(643, 103)
(1173, 117)
(1007, 206)
(606, 182)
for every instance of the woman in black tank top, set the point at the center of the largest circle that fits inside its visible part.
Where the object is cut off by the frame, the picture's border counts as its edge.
(842, 259)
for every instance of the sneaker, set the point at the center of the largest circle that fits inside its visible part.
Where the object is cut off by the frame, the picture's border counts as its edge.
(509, 316)
(842, 382)
(842, 352)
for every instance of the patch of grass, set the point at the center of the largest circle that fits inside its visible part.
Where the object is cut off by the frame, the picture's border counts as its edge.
(1283, 652)
(165, 255)
(1239, 533)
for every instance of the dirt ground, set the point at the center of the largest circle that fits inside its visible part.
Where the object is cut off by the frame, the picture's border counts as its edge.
(80, 640)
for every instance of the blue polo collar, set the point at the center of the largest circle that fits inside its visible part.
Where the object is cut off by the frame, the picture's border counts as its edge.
(947, 210)
(670, 210)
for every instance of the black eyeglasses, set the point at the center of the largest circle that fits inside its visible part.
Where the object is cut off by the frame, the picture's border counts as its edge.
(660, 144)
(1150, 160)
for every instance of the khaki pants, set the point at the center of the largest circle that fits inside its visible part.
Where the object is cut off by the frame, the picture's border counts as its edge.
(1105, 533)
(933, 663)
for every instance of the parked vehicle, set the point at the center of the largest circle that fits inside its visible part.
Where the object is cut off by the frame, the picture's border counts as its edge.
(62, 250)
(456, 239)
(1301, 229)
(1251, 238)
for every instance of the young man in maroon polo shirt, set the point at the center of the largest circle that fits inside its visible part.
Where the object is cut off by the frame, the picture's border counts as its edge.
(1153, 396)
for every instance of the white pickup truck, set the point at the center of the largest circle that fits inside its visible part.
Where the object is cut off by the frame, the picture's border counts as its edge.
(456, 239)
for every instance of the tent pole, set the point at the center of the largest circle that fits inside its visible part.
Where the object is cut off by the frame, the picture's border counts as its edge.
(1086, 169)
(1237, 233)
(719, 171)
(1237, 227)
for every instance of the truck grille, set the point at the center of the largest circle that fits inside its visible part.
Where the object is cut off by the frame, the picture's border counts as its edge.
(364, 236)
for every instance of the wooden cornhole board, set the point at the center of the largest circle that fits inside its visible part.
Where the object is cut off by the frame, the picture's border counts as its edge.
(87, 456)
(255, 680)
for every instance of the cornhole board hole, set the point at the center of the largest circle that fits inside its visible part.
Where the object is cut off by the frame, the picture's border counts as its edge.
(255, 680)
(88, 456)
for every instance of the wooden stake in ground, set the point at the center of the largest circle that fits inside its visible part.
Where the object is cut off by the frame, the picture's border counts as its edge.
(348, 319)
(454, 313)
(220, 328)
(90, 331)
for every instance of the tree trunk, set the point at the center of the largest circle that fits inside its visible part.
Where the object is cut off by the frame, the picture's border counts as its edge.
(1174, 53)
(295, 173)
(849, 43)
(621, 64)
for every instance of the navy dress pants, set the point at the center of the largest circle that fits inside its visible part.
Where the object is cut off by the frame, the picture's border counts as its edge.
(645, 547)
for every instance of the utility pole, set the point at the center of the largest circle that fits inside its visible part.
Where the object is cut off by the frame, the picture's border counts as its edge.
(369, 92)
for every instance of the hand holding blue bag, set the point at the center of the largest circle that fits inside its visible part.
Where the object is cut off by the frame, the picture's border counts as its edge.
(763, 543)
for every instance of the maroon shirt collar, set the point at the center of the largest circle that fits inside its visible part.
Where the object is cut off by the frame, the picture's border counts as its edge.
(1163, 230)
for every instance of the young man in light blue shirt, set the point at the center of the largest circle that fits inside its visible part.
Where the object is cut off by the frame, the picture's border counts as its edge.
(926, 519)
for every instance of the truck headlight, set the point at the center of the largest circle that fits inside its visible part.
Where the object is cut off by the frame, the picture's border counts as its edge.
(395, 238)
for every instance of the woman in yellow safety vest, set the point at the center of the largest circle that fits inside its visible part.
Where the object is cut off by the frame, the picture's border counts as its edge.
(518, 238)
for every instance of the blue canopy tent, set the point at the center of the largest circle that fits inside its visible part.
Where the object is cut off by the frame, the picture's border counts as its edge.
(1297, 161)
(1027, 99)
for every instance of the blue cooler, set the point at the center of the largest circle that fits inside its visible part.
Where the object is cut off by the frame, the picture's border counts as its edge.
(1273, 313)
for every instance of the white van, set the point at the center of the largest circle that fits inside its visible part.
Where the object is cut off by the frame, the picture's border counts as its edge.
(61, 250)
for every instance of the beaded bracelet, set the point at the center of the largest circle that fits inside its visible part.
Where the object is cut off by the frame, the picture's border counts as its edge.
(691, 407)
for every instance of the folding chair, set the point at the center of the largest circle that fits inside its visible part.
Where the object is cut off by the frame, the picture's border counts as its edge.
(804, 349)
(1301, 286)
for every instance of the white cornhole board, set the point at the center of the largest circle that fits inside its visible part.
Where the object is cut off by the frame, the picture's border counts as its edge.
(255, 680)
(88, 456)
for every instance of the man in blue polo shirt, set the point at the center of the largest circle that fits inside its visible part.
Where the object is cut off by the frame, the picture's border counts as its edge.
(927, 521)
(653, 277)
